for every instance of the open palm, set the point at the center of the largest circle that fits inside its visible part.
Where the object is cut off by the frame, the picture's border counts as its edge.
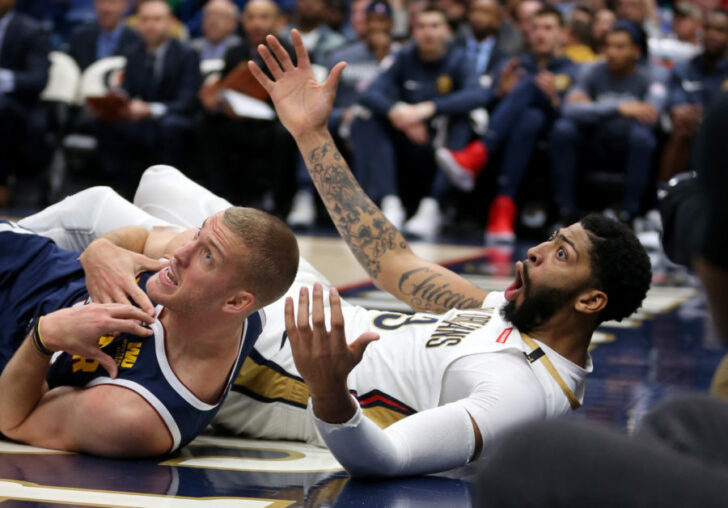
(302, 103)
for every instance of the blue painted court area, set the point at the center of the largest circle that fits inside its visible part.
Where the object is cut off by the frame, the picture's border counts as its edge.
(668, 347)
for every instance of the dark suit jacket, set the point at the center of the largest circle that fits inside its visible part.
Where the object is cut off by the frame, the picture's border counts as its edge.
(82, 46)
(24, 51)
(178, 83)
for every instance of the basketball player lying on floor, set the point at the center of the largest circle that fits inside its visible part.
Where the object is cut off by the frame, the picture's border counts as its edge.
(126, 381)
(444, 386)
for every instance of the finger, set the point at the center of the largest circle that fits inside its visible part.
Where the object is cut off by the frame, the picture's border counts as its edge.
(279, 51)
(332, 82)
(147, 264)
(116, 295)
(360, 344)
(129, 312)
(291, 329)
(303, 311)
(142, 300)
(273, 66)
(318, 318)
(338, 333)
(302, 59)
(258, 74)
(131, 326)
(106, 362)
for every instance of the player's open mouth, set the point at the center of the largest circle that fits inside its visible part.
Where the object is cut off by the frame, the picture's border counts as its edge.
(517, 284)
(167, 276)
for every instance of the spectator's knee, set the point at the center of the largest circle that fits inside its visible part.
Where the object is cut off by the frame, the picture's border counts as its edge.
(642, 136)
(564, 130)
(532, 121)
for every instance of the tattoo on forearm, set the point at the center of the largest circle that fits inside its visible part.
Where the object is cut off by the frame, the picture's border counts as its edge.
(427, 291)
(361, 224)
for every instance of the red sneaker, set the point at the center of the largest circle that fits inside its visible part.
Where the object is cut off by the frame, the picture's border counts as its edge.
(501, 218)
(463, 167)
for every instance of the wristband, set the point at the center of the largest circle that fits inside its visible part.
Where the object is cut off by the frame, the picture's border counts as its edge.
(38, 341)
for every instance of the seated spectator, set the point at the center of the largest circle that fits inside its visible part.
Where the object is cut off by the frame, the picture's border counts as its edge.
(640, 13)
(612, 111)
(693, 85)
(603, 21)
(483, 39)
(364, 59)
(310, 20)
(682, 44)
(219, 23)
(162, 77)
(532, 87)
(24, 66)
(248, 161)
(428, 79)
(525, 12)
(578, 41)
(108, 36)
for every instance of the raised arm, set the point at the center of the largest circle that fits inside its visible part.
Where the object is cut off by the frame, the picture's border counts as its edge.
(303, 106)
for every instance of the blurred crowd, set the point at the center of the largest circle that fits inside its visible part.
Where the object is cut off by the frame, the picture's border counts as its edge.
(508, 116)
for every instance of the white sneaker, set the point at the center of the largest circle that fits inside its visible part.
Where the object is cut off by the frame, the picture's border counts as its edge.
(303, 210)
(393, 210)
(459, 177)
(426, 222)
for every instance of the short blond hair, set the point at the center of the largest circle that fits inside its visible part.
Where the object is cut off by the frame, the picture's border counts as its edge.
(271, 263)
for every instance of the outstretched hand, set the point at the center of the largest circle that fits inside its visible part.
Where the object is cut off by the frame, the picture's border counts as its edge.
(302, 103)
(322, 357)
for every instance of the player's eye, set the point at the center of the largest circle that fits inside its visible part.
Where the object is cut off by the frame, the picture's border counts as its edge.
(197, 235)
(561, 253)
(208, 256)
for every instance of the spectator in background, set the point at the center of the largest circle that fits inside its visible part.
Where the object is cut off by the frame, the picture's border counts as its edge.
(683, 43)
(693, 84)
(484, 40)
(531, 88)
(637, 12)
(24, 49)
(428, 79)
(219, 23)
(162, 77)
(578, 41)
(364, 59)
(603, 21)
(108, 36)
(318, 38)
(247, 161)
(525, 13)
(455, 11)
(612, 111)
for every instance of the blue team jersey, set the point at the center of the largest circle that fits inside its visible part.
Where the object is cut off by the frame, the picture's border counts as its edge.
(38, 277)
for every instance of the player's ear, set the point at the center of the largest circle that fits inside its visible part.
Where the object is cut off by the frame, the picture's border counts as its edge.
(239, 302)
(591, 301)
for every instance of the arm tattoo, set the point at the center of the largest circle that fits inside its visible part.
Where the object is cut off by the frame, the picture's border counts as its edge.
(361, 224)
(427, 291)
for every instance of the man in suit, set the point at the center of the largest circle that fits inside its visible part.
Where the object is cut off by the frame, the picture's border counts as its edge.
(219, 22)
(109, 36)
(162, 78)
(24, 66)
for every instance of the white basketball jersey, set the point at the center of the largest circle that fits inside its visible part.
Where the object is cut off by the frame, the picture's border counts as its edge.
(400, 374)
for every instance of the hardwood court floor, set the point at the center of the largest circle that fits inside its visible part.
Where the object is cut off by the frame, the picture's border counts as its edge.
(665, 348)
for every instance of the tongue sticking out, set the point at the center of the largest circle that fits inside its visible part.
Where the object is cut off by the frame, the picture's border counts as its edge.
(515, 287)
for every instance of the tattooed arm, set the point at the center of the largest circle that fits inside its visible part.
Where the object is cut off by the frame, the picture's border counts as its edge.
(303, 107)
